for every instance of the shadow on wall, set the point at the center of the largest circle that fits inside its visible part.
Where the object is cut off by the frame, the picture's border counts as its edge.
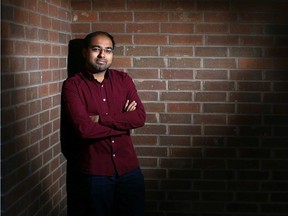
(75, 58)
(69, 147)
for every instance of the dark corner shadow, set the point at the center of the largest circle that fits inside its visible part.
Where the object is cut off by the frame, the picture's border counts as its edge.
(75, 58)
(69, 140)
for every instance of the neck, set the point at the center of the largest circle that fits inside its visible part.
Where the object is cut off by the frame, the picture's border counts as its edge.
(99, 76)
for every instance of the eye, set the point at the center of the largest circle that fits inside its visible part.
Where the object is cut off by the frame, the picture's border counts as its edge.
(108, 50)
(96, 49)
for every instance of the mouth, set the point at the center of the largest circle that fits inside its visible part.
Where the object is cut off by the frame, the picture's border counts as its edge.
(101, 61)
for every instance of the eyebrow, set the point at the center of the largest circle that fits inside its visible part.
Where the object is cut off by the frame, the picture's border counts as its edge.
(92, 46)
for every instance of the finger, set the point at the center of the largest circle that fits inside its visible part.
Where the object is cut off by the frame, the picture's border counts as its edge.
(132, 106)
(126, 105)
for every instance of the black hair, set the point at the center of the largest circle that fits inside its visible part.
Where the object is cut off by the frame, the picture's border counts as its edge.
(88, 38)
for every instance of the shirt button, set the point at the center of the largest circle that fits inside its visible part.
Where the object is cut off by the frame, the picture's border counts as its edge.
(112, 141)
(114, 155)
(104, 99)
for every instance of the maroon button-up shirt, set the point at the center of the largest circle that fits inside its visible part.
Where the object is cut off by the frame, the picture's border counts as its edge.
(107, 145)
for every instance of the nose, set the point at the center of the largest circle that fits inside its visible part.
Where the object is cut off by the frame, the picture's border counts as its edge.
(101, 53)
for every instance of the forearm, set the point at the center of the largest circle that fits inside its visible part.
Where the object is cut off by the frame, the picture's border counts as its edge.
(133, 117)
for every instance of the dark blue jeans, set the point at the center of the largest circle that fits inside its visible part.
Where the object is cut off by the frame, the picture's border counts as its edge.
(116, 195)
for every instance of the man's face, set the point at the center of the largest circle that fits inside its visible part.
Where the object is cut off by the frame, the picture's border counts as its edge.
(99, 54)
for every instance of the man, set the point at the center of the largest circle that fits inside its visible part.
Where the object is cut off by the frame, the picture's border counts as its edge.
(102, 105)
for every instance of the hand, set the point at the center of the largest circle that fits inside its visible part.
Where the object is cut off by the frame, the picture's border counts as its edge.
(130, 106)
(95, 118)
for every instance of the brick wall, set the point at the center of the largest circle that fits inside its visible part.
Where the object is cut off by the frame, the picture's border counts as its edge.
(35, 35)
(213, 78)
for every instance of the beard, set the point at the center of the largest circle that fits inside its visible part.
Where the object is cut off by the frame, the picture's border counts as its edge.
(98, 66)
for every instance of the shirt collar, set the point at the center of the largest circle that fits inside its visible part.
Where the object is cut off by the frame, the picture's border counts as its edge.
(90, 76)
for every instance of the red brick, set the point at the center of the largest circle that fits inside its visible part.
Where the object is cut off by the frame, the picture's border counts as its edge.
(252, 17)
(179, 5)
(10, 115)
(152, 129)
(81, 5)
(246, 75)
(148, 162)
(176, 96)
(210, 96)
(210, 119)
(122, 62)
(222, 40)
(174, 28)
(149, 62)
(218, 108)
(150, 40)
(175, 118)
(18, 96)
(245, 97)
(32, 93)
(143, 73)
(220, 17)
(218, 86)
(143, 28)
(184, 62)
(246, 29)
(176, 74)
(141, 51)
(253, 108)
(244, 120)
(254, 86)
(148, 96)
(151, 16)
(154, 107)
(213, 5)
(185, 16)
(85, 16)
(21, 16)
(185, 152)
(123, 39)
(245, 52)
(108, 6)
(212, 28)
(219, 63)
(149, 5)
(186, 40)
(154, 174)
(211, 51)
(175, 141)
(184, 85)
(175, 163)
(211, 74)
(183, 107)
(176, 51)
(151, 151)
(116, 17)
(17, 64)
(53, 10)
(80, 28)
(144, 140)
(256, 40)
(255, 63)
(34, 49)
(34, 19)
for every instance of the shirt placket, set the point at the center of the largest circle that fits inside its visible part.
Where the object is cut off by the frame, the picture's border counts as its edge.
(106, 112)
